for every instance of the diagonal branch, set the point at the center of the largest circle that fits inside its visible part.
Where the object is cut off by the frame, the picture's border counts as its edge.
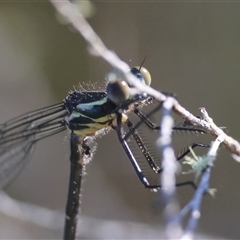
(76, 19)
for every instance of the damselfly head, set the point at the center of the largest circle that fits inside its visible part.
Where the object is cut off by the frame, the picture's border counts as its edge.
(118, 90)
(142, 74)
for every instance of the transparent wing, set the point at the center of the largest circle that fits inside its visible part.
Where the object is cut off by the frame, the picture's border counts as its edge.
(19, 136)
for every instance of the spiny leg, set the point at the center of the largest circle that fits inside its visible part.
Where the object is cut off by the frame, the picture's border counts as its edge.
(120, 134)
(141, 176)
(142, 147)
(156, 169)
(144, 119)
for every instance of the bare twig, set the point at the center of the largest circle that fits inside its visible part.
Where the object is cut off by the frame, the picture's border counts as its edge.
(169, 165)
(174, 230)
(76, 19)
(195, 203)
(231, 144)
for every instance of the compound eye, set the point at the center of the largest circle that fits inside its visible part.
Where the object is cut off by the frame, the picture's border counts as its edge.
(118, 90)
(143, 74)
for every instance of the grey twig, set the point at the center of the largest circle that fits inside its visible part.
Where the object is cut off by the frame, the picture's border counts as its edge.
(203, 187)
(173, 228)
(76, 19)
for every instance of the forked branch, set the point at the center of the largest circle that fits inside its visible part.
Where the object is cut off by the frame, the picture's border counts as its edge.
(73, 16)
(173, 228)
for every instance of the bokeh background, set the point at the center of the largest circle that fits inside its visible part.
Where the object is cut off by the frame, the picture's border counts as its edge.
(192, 49)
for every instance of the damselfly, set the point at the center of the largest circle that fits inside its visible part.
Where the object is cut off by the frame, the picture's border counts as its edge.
(88, 114)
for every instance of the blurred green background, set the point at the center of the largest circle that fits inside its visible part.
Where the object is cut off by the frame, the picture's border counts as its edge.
(192, 49)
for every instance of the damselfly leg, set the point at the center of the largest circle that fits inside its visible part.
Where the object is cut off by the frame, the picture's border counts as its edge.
(183, 127)
(146, 150)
